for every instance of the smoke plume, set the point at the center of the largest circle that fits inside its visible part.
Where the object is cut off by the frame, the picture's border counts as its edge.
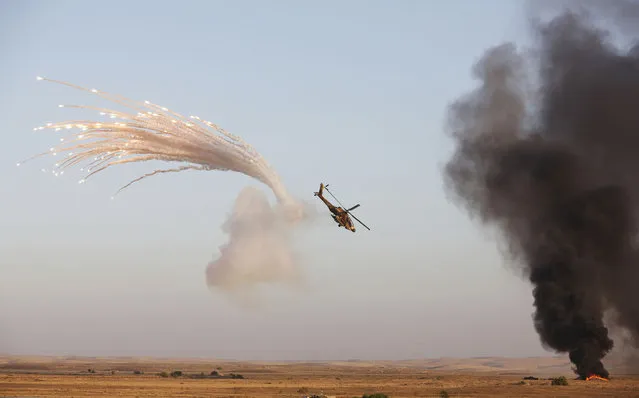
(259, 249)
(556, 171)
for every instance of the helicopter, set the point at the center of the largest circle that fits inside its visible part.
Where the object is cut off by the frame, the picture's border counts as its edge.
(342, 217)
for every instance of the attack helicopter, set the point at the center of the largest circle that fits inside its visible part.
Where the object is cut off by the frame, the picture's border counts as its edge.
(341, 216)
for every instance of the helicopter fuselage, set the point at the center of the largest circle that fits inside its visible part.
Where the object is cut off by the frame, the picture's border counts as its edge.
(340, 215)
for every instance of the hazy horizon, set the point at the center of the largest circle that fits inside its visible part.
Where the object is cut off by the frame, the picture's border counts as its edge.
(352, 94)
(300, 360)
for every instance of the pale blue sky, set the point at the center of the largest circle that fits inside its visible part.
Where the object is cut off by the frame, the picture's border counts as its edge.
(352, 93)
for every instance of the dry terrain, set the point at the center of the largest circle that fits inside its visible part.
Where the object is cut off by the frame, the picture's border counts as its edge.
(141, 377)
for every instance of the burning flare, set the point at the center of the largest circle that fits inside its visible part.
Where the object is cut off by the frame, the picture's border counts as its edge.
(155, 133)
(259, 249)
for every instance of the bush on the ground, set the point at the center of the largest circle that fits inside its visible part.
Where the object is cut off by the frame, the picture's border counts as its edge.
(559, 381)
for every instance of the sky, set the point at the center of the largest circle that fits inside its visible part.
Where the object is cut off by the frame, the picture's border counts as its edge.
(348, 93)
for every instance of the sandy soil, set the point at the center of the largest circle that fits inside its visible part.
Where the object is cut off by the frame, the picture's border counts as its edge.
(478, 377)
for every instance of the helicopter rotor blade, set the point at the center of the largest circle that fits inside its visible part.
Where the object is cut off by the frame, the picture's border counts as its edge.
(330, 193)
(347, 211)
(357, 219)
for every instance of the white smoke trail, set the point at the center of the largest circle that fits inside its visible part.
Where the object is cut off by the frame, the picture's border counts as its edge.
(259, 250)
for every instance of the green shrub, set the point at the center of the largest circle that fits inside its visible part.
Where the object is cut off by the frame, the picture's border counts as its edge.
(176, 373)
(559, 381)
(443, 394)
(376, 395)
(163, 374)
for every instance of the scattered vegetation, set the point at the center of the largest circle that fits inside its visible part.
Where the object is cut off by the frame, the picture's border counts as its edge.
(443, 394)
(521, 383)
(559, 381)
(91, 370)
(376, 395)
(137, 372)
(213, 375)
(304, 390)
(531, 378)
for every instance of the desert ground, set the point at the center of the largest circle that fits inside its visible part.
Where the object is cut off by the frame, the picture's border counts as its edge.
(22, 376)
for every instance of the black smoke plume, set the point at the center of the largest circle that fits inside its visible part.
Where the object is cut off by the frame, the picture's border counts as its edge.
(556, 170)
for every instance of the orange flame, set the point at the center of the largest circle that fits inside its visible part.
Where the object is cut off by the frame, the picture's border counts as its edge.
(595, 377)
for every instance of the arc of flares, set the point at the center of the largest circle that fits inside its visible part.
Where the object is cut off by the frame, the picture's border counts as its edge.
(154, 133)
